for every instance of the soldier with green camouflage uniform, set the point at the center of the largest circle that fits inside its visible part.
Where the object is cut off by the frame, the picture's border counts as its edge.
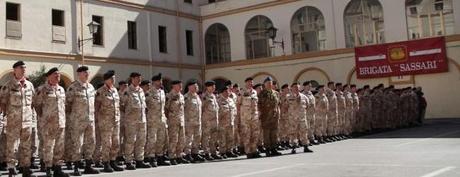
(269, 117)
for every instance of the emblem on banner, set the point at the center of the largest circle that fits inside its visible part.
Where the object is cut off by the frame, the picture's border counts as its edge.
(397, 53)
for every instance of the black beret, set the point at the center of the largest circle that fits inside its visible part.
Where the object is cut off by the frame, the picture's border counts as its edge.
(209, 83)
(352, 86)
(338, 84)
(320, 87)
(175, 82)
(145, 82)
(109, 74)
(228, 83)
(257, 85)
(268, 79)
(329, 83)
(134, 74)
(157, 77)
(18, 63)
(248, 79)
(122, 83)
(223, 89)
(51, 71)
(284, 86)
(366, 87)
(294, 83)
(82, 69)
(236, 85)
(191, 82)
(306, 83)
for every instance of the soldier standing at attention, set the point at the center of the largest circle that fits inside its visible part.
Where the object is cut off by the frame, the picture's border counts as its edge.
(355, 120)
(192, 110)
(122, 86)
(80, 108)
(210, 122)
(284, 117)
(16, 103)
(268, 106)
(322, 109)
(341, 110)
(297, 111)
(133, 105)
(249, 114)
(311, 117)
(107, 106)
(227, 114)
(49, 102)
(176, 124)
(157, 126)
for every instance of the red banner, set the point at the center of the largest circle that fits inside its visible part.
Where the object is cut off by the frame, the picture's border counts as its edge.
(414, 57)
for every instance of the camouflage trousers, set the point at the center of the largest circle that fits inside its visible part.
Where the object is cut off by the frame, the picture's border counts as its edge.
(15, 133)
(109, 141)
(68, 153)
(97, 154)
(176, 135)
(284, 128)
(311, 125)
(341, 122)
(332, 123)
(227, 138)
(249, 130)
(135, 139)
(299, 132)
(83, 139)
(237, 129)
(192, 138)
(53, 142)
(2, 142)
(270, 133)
(321, 124)
(210, 136)
(157, 138)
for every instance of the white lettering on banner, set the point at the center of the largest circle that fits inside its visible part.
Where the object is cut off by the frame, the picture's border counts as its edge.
(416, 66)
(375, 70)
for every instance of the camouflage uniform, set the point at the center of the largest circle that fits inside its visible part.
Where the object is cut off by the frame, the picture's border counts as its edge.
(133, 105)
(49, 102)
(17, 100)
(341, 113)
(157, 126)
(80, 108)
(269, 116)
(249, 115)
(227, 114)
(108, 120)
(210, 123)
(355, 125)
(192, 109)
(237, 122)
(284, 118)
(348, 118)
(175, 112)
(332, 120)
(322, 109)
(298, 118)
(311, 117)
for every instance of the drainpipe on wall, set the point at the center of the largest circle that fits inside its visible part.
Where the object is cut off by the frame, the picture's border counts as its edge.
(81, 34)
(202, 58)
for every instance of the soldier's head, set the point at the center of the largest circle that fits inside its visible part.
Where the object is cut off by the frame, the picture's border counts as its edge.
(295, 87)
(249, 82)
(235, 88)
(210, 86)
(176, 86)
(225, 91)
(320, 89)
(268, 83)
(258, 88)
(122, 85)
(135, 78)
(19, 69)
(330, 85)
(157, 80)
(285, 89)
(306, 86)
(109, 78)
(353, 88)
(53, 76)
(338, 86)
(193, 86)
(82, 73)
(145, 85)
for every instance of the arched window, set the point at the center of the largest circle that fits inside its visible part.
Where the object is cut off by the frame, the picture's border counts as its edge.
(308, 30)
(257, 39)
(427, 18)
(363, 23)
(217, 44)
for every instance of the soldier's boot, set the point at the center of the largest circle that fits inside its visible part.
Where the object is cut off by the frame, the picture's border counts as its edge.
(120, 160)
(261, 149)
(115, 166)
(241, 150)
(208, 157)
(216, 157)
(181, 160)
(107, 168)
(130, 166)
(189, 158)
(69, 165)
(48, 172)
(26, 172)
(162, 161)
(274, 152)
(153, 162)
(306, 149)
(250, 155)
(76, 170)
(230, 154)
(98, 164)
(33, 165)
(141, 164)
(89, 169)
(173, 162)
(12, 172)
(57, 172)
(42, 166)
(198, 158)
(257, 155)
(293, 151)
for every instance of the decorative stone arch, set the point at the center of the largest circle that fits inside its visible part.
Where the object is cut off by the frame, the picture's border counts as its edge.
(297, 77)
(65, 79)
(350, 75)
(5, 76)
(457, 65)
(266, 74)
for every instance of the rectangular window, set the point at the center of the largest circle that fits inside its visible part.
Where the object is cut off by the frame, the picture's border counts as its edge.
(162, 39)
(132, 35)
(58, 17)
(13, 12)
(98, 37)
(189, 42)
